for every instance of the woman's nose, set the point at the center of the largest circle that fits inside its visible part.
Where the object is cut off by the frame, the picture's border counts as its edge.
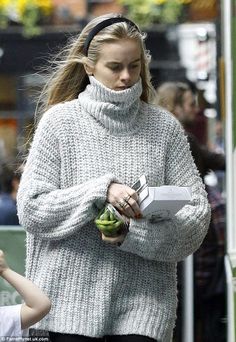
(125, 75)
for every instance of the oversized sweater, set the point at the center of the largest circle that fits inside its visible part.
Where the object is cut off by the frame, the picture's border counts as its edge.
(79, 148)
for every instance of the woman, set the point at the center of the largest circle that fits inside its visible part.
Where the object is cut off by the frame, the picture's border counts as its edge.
(98, 135)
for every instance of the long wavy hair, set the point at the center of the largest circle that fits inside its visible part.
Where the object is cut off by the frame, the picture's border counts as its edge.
(66, 76)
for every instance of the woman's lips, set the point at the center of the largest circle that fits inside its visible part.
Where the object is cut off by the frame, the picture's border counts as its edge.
(123, 87)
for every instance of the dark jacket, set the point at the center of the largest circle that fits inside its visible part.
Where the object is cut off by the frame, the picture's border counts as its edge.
(205, 160)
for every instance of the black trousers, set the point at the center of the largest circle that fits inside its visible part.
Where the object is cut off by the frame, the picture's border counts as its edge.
(57, 337)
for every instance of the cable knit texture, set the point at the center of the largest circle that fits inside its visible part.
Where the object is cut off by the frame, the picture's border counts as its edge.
(79, 148)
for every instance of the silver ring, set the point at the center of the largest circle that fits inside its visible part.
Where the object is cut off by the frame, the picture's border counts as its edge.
(127, 198)
(122, 203)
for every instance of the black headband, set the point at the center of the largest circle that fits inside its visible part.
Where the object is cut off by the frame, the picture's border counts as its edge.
(101, 26)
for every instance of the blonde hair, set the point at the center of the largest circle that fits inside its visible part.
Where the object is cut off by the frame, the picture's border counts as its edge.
(170, 94)
(68, 77)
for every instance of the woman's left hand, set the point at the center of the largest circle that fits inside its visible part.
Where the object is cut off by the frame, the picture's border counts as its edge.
(114, 240)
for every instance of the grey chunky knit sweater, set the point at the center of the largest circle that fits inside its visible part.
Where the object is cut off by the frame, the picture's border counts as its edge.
(79, 148)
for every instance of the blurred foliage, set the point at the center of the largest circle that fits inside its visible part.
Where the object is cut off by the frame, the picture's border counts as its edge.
(148, 12)
(28, 13)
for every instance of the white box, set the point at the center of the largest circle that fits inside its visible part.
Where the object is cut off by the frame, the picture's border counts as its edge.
(163, 202)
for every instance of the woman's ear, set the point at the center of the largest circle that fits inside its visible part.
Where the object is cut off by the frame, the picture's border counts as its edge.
(89, 69)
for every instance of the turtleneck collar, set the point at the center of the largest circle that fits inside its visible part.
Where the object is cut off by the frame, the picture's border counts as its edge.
(116, 110)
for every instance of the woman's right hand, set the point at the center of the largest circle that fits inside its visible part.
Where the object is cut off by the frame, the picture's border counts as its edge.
(125, 199)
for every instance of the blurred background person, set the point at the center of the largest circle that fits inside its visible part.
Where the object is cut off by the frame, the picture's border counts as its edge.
(9, 180)
(180, 100)
(209, 277)
(199, 127)
(218, 145)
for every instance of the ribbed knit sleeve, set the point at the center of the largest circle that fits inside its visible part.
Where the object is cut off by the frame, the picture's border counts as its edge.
(173, 240)
(46, 209)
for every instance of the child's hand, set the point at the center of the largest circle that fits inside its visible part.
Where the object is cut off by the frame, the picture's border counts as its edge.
(3, 264)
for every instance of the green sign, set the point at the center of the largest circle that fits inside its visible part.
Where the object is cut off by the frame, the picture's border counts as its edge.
(12, 242)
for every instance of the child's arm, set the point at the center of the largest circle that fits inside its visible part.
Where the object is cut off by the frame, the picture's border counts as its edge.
(37, 304)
